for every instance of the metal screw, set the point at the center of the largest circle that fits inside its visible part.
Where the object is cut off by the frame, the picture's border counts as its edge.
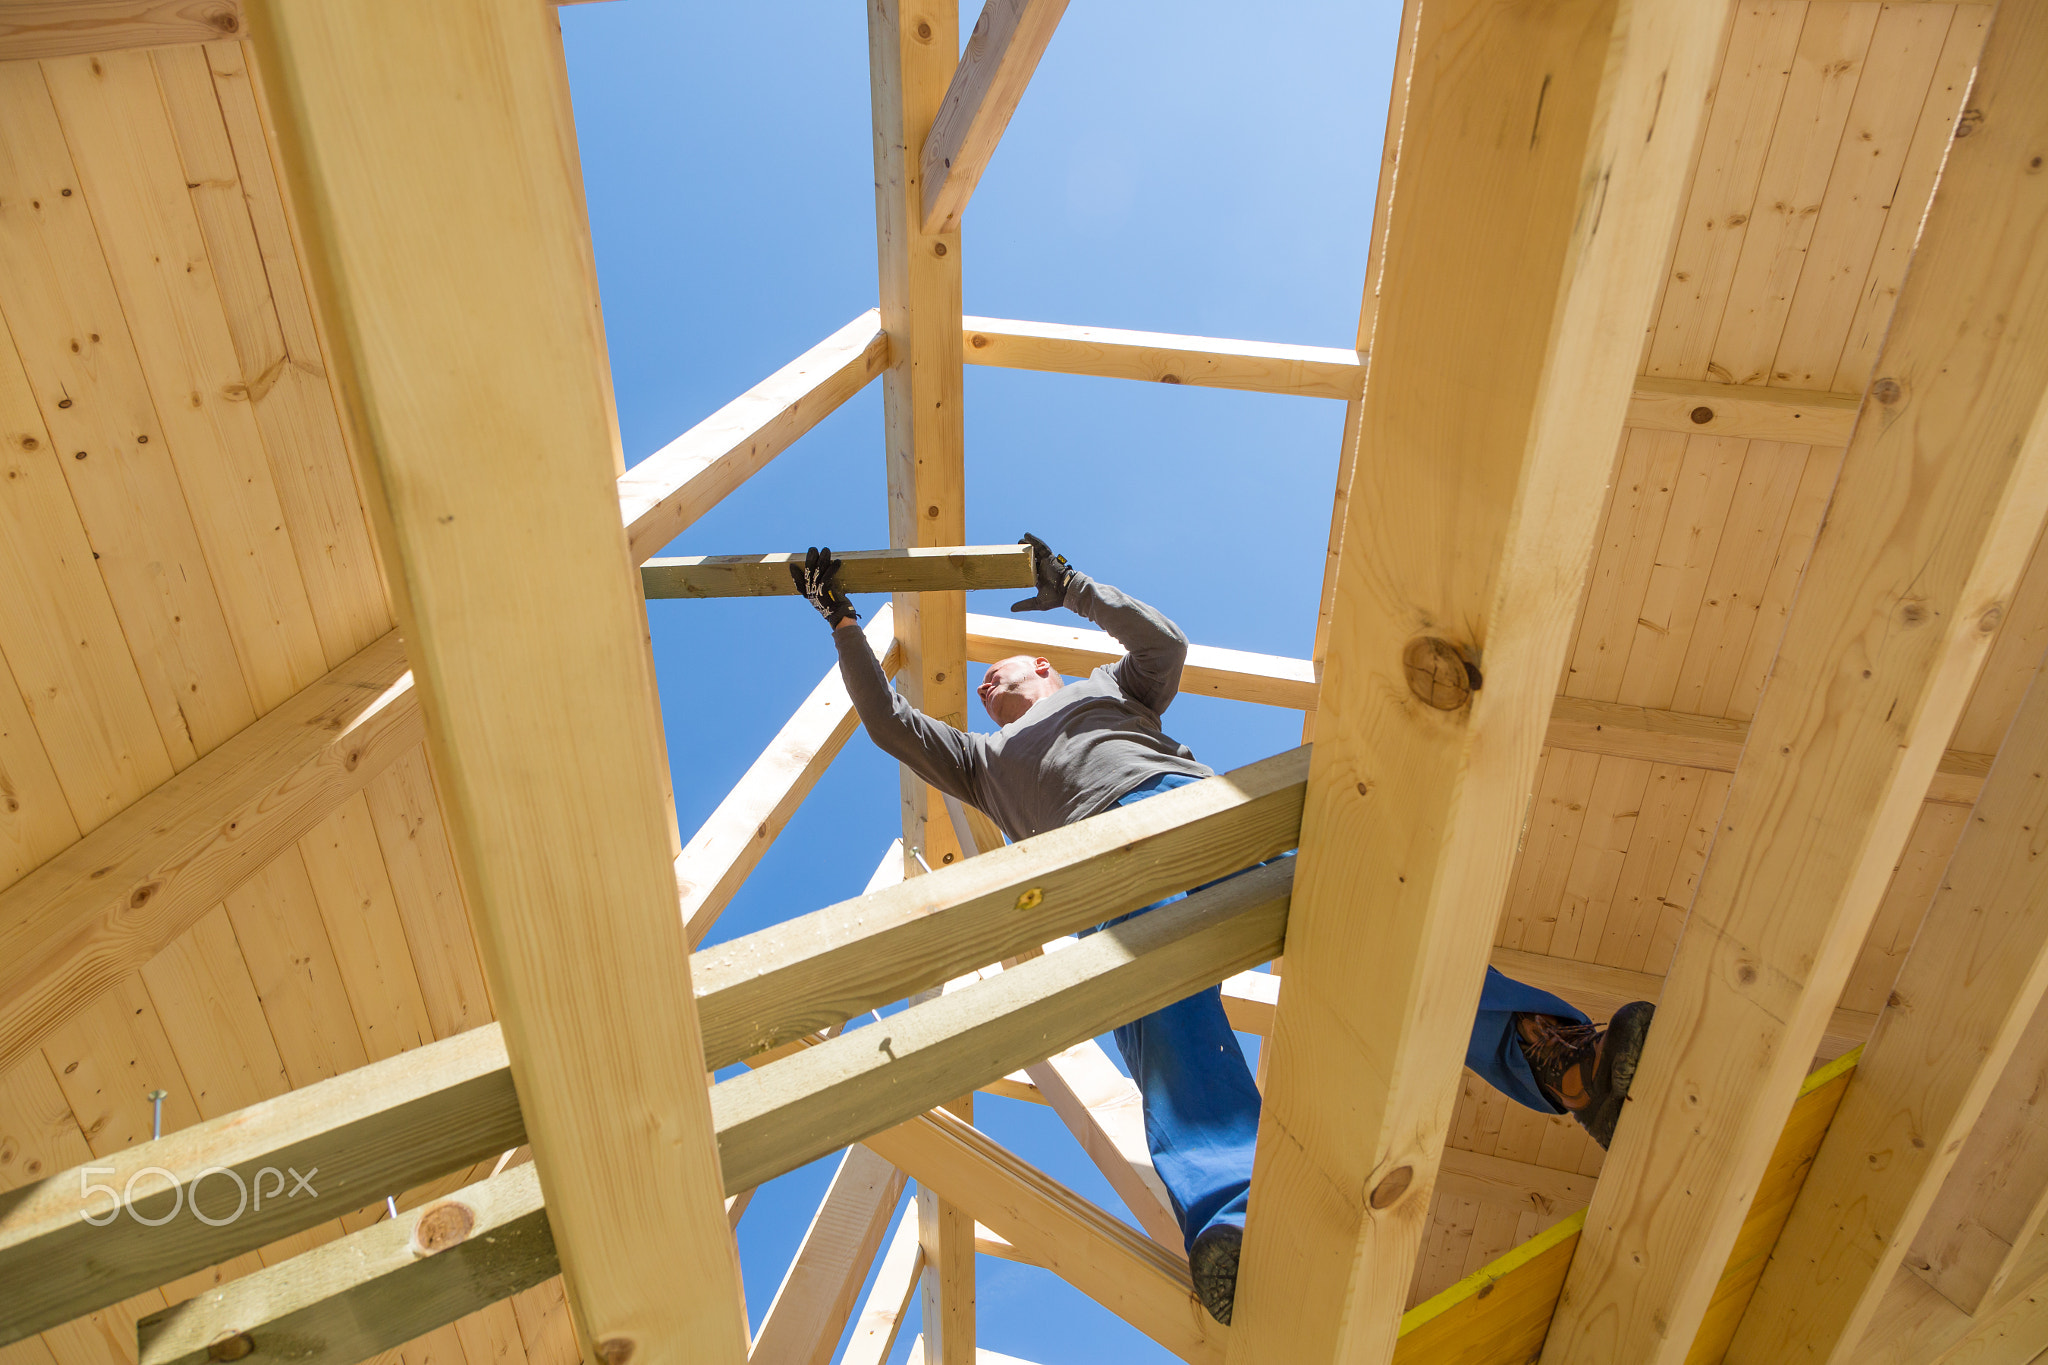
(156, 1116)
(918, 854)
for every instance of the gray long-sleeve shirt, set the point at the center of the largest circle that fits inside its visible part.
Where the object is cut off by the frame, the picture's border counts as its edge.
(1073, 753)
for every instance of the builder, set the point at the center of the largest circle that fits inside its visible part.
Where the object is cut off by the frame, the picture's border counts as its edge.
(1067, 751)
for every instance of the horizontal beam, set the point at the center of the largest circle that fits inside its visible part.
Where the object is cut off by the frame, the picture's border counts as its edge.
(1232, 674)
(1758, 413)
(117, 897)
(1163, 358)
(1001, 54)
(103, 907)
(417, 1116)
(377, 1289)
(32, 29)
(1499, 1180)
(957, 569)
(838, 963)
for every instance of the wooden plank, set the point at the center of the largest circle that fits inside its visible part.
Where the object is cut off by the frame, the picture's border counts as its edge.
(1164, 358)
(61, 28)
(1521, 1185)
(1751, 411)
(1972, 983)
(730, 844)
(2012, 1333)
(953, 569)
(96, 403)
(114, 121)
(1833, 775)
(1002, 52)
(1103, 1257)
(874, 1331)
(662, 495)
(1103, 1110)
(809, 1312)
(562, 839)
(1995, 1200)
(1482, 556)
(1235, 674)
(1917, 1325)
(802, 1107)
(913, 48)
(797, 977)
(381, 1286)
(110, 902)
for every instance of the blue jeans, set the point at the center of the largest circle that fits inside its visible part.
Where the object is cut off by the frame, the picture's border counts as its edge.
(1202, 1109)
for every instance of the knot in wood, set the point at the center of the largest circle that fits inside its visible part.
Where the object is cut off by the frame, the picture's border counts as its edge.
(1701, 415)
(1439, 673)
(1886, 391)
(1030, 899)
(441, 1227)
(1393, 1187)
(616, 1350)
(232, 1347)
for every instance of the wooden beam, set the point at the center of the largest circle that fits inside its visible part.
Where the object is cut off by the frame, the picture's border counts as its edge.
(796, 1110)
(1937, 507)
(1100, 1255)
(874, 1332)
(661, 496)
(1466, 536)
(1164, 358)
(913, 46)
(1002, 52)
(1522, 1185)
(730, 844)
(1917, 1326)
(340, 1307)
(31, 29)
(1972, 982)
(444, 229)
(1103, 1110)
(99, 910)
(1747, 411)
(808, 1315)
(1996, 1198)
(837, 963)
(962, 568)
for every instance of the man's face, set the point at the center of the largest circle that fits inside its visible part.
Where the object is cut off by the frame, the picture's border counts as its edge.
(1011, 686)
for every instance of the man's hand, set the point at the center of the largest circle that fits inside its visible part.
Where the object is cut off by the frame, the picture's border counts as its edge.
(817, 578)
(1052, 571)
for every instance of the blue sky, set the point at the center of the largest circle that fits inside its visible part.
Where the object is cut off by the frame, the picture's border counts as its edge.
(1190, 167)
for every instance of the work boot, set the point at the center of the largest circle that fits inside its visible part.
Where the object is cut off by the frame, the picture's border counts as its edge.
(1213, 1261)
(1586, 1069)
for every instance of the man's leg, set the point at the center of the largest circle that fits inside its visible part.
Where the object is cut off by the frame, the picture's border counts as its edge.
(1536, 1048)
(1495, 1051)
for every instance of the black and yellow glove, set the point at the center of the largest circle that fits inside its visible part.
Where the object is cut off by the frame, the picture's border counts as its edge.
(1052, 570)
(817, 578)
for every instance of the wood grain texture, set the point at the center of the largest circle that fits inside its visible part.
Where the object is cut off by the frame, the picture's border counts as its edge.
(62, 28)
(1494, 242)
(1002, 51)
(874, 1331)
(809, 1312)
(561, 837)
(1922, 551)
(1105, 1113)
(1750, 411)
(953, 569)
(1963, 998)
(107, 904)
(1164, 358)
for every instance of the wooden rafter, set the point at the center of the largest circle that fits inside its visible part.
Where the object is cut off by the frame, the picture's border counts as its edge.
(446, 235)
(1002, 52)
(1938, 504)
(1536, 262)
(1103, 1110)
(804, 1322)
(1971, 984)
(937, 569)
(32, 29)
(874, 1331)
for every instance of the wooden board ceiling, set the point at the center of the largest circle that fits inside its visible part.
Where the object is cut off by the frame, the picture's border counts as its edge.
(182, 548)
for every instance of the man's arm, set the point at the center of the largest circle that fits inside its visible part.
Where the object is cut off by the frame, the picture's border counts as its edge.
(1155, 648)
(934, 750)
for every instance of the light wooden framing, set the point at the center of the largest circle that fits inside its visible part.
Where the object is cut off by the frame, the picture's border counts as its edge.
(1872, 1257)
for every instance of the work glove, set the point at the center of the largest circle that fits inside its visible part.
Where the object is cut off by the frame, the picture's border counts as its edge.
(1053, 572)
(817, 578)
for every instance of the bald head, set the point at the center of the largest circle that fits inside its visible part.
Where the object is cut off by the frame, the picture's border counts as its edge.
(1013, 685)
